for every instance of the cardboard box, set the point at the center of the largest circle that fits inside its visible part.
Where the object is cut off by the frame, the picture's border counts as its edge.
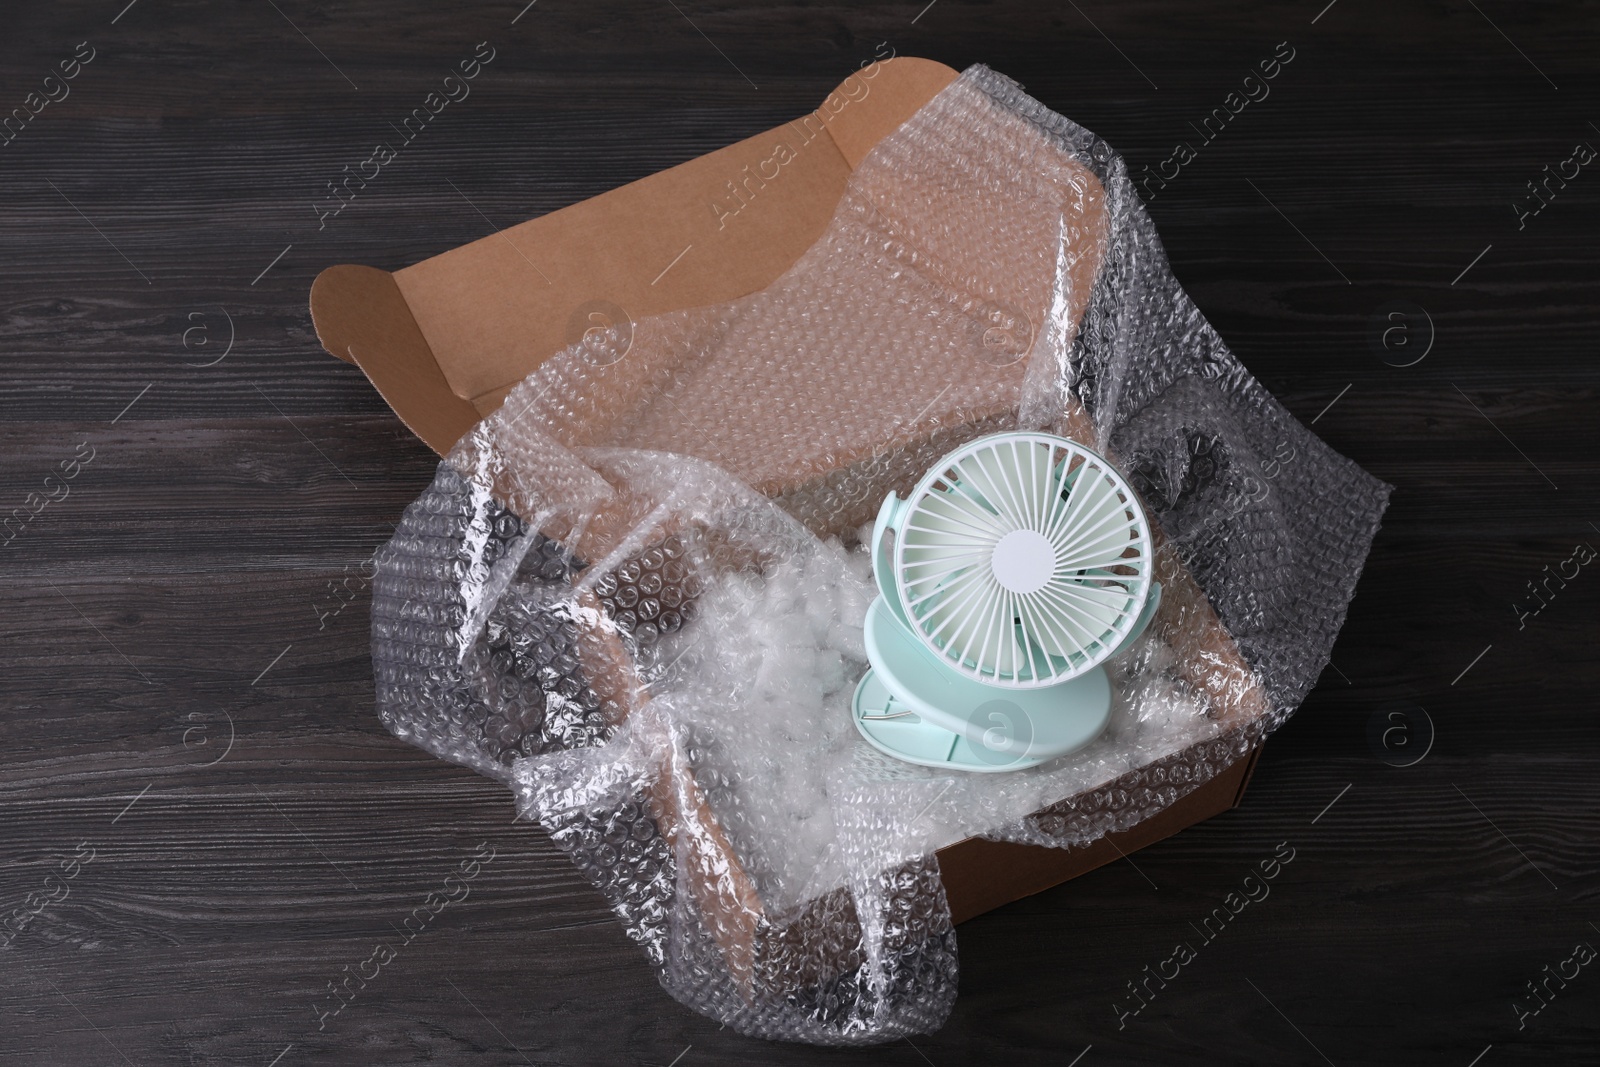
(444, 340)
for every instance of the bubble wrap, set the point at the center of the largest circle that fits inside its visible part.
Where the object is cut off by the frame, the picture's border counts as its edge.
(635, 593)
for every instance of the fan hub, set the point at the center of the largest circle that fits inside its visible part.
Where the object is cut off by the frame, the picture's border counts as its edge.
(1023, 561)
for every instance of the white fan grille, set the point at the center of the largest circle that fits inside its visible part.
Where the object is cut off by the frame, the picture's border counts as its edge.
(1023, 559)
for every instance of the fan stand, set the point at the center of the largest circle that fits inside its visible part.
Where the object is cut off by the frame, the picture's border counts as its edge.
(913, 707)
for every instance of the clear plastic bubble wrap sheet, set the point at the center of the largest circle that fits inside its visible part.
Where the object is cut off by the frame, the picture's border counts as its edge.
(635, 593)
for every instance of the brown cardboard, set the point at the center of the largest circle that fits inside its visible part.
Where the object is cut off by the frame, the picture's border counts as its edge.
(362, 318)
(485, 315)
(445, 339)
(968, 868)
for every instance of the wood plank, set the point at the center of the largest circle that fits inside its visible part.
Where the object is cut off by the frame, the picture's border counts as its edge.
(197, 545)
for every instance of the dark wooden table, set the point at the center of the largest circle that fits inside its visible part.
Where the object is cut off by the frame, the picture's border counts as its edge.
(182, 705)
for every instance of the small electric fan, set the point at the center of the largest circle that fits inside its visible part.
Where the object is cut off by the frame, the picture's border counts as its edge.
(1021, 563)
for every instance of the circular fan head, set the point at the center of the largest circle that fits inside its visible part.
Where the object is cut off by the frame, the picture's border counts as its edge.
(1023, 559)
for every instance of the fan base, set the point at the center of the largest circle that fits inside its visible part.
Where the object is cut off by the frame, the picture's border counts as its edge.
(914, 708)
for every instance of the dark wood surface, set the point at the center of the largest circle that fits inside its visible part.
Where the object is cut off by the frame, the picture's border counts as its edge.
(230, 885)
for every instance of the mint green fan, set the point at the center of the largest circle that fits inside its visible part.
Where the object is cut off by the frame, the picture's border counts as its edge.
(1021, 563)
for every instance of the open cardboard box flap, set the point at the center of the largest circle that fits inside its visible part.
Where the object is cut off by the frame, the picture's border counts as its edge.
(446, 339)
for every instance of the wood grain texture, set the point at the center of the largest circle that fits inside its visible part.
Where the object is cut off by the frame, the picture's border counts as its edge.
(196, 551)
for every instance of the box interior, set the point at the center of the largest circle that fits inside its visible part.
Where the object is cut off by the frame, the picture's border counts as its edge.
(445, 339)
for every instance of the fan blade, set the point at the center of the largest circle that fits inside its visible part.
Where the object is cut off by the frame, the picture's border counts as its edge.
(982, 478)
(1094, 607)
(1076, 624)
(950, 623)
(1096, 517)
(960, 512)
(1038, 479)
(927, 526)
